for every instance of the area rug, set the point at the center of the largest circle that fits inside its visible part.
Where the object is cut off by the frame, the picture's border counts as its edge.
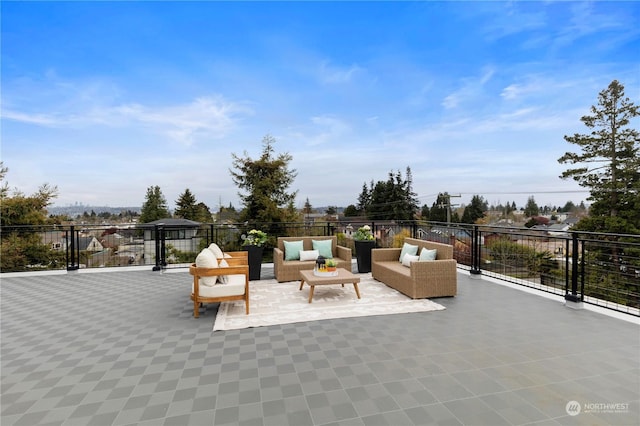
(274, 303)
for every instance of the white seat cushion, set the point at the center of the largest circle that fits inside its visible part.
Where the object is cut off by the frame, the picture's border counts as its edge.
(234, 287)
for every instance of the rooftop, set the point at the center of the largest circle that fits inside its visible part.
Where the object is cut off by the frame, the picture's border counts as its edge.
(122, 348)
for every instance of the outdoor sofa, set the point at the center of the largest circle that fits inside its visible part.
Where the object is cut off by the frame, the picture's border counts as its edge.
(417, 279)
(289, 270)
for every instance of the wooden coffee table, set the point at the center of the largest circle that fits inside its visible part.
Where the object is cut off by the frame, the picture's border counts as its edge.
(343, 277)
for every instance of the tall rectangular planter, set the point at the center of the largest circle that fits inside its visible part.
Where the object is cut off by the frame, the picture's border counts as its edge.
(363, 255)
(255, 261)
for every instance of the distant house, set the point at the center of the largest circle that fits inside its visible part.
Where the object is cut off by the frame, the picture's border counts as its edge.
(58, 241)
(180, 234)
(89, 244)
(572, 220)
(558, 229)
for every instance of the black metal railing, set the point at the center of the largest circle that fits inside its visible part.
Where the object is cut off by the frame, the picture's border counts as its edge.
(596, 268)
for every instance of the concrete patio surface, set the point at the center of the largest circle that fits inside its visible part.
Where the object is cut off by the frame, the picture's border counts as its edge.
(122, 348)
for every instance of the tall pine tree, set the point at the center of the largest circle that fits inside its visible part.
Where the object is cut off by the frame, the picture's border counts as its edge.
(609, 163)
(155, 206)
(266, 182)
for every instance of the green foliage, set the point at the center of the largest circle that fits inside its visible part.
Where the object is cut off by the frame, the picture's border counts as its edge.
(350, 211)
(178, 256)
(331, 210)
(187, 207)
(390, 199)
(521, 260)
(155, 206)
(26, 210)
(438, 212)
(364, 234)
(255, 237)
(476, 210)
(21, 251)
(265, 182)
(609, 164)
(531, 208)
(425, 213)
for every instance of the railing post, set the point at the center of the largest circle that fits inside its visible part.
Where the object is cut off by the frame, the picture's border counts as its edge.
(159, 255)
(475, 253)
(574, 299)
(73, 259)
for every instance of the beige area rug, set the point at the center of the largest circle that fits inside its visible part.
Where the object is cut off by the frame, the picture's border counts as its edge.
(274, 303)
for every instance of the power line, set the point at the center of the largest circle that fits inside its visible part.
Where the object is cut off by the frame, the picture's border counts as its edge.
(584, 191)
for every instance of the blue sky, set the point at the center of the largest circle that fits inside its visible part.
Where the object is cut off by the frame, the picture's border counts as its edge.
(105, 99)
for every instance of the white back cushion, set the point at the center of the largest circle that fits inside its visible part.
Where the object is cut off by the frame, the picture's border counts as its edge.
(408, 258)
(206, 259)
(217, 251)
(309, 254)
(223, 279)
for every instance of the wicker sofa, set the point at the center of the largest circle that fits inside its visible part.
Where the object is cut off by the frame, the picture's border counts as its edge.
(422, 279)
(289, 270)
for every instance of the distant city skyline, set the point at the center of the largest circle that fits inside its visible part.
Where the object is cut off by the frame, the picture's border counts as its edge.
(106, 99)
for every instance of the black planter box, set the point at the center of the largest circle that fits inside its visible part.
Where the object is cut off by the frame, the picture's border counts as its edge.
(363, 255)
(255, 261)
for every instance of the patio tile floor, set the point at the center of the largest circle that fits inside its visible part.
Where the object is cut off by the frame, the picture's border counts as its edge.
(122, 348)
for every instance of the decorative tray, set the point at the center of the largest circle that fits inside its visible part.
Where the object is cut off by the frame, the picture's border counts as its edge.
(325, 273)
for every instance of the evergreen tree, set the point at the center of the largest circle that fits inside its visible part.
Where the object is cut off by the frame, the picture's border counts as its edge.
(439, 208)
(392, 199)
(266, 182)
(364, 199)
(155, 206)
(186, 205)
(19, 209)
(307, 209)
(610, 160)
(331, 210)
(476, 210)
(350, 211)
(202, 213)
(531, 208)
(424, 213)
(18, 249)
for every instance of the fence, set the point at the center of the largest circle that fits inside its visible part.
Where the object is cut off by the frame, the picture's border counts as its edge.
(596, 268)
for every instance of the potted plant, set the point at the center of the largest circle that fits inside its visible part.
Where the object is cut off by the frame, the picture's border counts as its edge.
(254, 243)
(331, 265)
(364, 242)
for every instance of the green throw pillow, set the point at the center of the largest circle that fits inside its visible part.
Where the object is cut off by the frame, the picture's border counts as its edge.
(292, 250)
(323, 247)
(426, 254)
(408, 249)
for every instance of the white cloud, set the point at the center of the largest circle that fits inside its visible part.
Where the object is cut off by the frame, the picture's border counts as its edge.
(331, 74)
(210, 116)
(471, 88)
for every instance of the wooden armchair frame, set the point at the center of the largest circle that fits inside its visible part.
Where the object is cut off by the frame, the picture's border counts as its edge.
(238, 265)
